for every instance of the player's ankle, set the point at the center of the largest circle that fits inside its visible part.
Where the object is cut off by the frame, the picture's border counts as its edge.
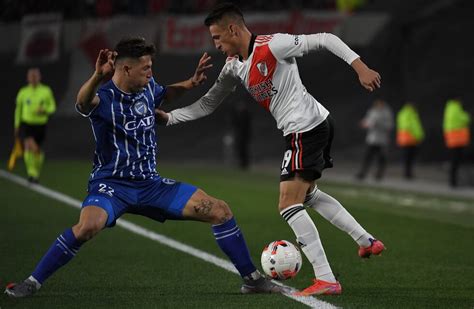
(36, 282)
(253, 276)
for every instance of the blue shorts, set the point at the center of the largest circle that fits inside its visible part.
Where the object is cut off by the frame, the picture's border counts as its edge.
(156, 198)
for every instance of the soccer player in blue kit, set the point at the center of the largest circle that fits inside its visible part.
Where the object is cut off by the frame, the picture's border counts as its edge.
(124, 177)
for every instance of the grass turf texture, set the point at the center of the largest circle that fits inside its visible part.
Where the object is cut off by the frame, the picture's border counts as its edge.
(428, 262)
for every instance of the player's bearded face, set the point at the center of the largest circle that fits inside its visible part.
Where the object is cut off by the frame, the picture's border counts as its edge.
(140, 72)
(223, 39)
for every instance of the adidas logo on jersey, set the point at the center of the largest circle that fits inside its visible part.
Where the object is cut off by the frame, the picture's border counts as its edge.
(284, 171)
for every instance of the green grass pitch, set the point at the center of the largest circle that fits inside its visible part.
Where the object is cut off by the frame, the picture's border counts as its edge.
(429, 262)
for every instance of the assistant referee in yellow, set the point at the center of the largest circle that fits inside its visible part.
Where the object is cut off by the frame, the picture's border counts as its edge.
(34, 104)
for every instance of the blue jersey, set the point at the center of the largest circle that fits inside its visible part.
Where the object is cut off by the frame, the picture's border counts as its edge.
(123, 125)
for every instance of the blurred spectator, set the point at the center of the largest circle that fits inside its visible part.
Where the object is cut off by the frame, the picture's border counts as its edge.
(34, 104)
(347, 6)
(410, 134)
(379, 123)
(241, 123)
(456, 135)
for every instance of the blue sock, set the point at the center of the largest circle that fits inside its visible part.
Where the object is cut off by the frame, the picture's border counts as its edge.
(61, 251)
(232, 242)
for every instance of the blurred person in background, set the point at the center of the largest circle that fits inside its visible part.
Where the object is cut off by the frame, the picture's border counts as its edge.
(378, 122)
(457, 135)
(34, 105)
(266, 66)
(348, 6)
(124, 177)
(410, 134)
(242, 127)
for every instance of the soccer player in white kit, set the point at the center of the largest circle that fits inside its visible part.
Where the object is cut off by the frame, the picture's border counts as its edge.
(265, 65)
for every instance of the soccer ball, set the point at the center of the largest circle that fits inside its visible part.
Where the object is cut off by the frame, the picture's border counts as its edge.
(281, 260)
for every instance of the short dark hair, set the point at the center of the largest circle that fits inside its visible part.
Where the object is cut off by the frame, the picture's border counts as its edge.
(222, 10)
(133, 47)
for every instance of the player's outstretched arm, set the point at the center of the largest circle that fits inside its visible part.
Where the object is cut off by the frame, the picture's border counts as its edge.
(86, 97)
(175, 90)
(203, 106)
(223, 86)
(368, 78)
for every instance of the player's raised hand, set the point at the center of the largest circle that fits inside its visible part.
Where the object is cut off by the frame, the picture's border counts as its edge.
(199, 76)
(105, 62)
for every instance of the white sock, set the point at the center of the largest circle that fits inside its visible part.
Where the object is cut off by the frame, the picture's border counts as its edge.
(334, 212)
(308, 237)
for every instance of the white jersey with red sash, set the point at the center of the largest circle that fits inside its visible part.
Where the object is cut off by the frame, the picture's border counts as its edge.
(271, 76)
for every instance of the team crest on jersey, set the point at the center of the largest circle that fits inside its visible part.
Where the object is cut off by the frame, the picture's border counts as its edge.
(140, 108)
(262, 68)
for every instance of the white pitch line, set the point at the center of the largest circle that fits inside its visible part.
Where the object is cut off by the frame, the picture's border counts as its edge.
(164, 240)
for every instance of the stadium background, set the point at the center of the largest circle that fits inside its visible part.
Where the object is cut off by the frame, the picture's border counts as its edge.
(420, 48)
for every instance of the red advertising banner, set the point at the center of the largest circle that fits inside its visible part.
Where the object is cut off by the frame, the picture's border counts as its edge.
(184, 34)
(39, 38)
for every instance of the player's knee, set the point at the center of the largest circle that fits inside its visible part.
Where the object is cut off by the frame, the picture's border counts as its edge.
(86, 230)
(220, 213)
(211, 210)
(283, 205)
(291, 197)
(286, 200)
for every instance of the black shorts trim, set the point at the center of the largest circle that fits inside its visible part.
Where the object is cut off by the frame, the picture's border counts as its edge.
(309, 153)
(37, 132)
